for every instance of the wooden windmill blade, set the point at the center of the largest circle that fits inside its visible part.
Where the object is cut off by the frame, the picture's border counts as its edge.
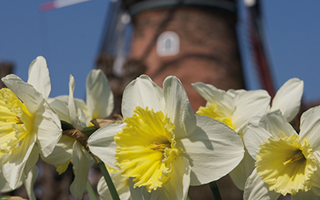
(259, 53)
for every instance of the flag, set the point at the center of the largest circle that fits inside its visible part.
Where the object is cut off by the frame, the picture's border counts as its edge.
(59, 4)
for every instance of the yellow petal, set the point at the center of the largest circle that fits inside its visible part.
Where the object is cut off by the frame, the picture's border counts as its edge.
(16, 122)
(214, 112)
(146, 148)
(62, 168)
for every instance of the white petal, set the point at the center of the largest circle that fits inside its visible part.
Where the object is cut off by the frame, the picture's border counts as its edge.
(26, 92)
(39, 76)
(14, 168)
(249, 104)
(4, 158)
(82, 106)
(257, 189)
(47, 125)
(60, 108)
(84, 119)
(79, 102)
(32, 160)
(73, 110)
(233, 93)
(254, 135)
(310, 127)
(119, 182)
(141, 193)
(213, 150)
(240, 174)
(60, 105)
(63, 98)
(276, 124)
(176, 188)
(178, 107)
(141, 92)
(4, 185)
(288, 98)
(305, 196)
(29, 182)
(99, 95)
(82, 161)
(315, 180)
(213, 95)
(101, 143)
(62, 152)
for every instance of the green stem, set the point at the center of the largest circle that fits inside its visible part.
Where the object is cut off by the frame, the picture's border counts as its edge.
(5, 197)
(108, 179)
(89, 130)
(91, 193)
(215, 190)
(66, 126)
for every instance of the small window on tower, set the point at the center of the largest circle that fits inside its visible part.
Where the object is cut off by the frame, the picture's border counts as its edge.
(168, 44)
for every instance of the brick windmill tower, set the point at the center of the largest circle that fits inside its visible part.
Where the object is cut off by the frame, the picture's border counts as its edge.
(194, 40)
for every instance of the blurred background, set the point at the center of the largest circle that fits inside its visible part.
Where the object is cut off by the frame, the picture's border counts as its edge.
(231, 44)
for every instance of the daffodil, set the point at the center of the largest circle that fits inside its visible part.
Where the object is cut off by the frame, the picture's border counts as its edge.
(236, 107)
(162, 146)
(28, 125)
(99, 100)
(76, 112)
(286, 162)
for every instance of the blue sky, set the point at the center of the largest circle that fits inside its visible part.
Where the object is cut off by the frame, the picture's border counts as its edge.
(292, 35)
(69, 39)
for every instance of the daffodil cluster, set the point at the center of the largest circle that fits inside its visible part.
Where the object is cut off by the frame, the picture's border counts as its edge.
(236, 107)
(161, 147)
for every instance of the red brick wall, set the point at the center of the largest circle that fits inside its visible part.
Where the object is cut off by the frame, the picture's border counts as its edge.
(208, 48)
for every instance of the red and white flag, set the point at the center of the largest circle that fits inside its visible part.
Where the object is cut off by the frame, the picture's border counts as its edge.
(59, 4)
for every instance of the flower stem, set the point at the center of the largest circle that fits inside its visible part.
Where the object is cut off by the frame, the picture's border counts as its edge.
(82, 138)
(108, 180)
(90, 191)
(215, 190)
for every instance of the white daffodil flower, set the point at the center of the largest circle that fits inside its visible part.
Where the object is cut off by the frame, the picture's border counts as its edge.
(236, 107)
(28, 125)
(162, 146)
(286, 162)
(99, 105)
(99, 100)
